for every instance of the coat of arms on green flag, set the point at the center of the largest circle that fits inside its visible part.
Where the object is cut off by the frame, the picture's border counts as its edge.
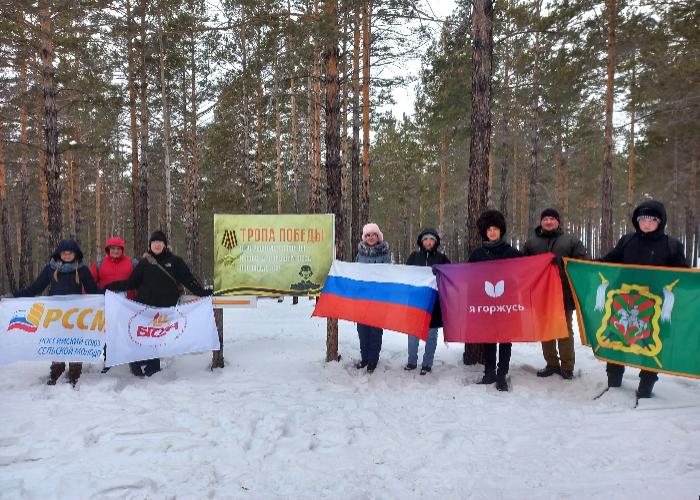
(647, 317)
(272, 254)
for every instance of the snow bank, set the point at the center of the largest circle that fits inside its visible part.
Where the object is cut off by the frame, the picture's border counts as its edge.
(278, 422)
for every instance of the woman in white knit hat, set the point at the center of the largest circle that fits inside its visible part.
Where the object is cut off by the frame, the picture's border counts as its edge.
(371, 250)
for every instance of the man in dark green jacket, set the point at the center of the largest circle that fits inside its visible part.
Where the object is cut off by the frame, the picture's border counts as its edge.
(550, 237)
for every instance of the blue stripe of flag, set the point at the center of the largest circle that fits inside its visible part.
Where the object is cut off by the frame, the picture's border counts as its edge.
(421, 297)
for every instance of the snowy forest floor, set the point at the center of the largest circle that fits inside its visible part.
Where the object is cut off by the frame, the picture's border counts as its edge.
(279, 422)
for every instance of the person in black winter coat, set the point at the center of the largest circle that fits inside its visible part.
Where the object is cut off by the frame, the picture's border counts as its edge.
(65, 274)
(158, 279)
(428, 254)
(492, 228)
(648, 245)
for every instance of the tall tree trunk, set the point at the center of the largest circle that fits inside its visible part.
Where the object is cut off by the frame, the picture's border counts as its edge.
(70, 202)
(78, 190)
(480, 143)
(143, 214)
(193, 237)
(505, 159)
(278, 139)
(98, 208)
(296, 169)
(315, 173)
(334, 166)
(25, 254)
(534, 141)
(606, 201)
(166, 138)
(53, 164)
(631, 151)
(443, 175)
(559, 169)
(4, 217)
(246, 114)
(355, 160)
(133, 129)
(366, 41)
(259, 163)
(41, 177)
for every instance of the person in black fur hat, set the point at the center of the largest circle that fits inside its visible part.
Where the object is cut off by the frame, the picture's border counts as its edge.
(492, 228)
(159, 279)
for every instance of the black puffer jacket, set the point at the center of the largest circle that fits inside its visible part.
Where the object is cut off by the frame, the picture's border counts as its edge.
(494, 251)
(562, 245)
(422, 257)
(648, 249)
(155, 288)
(62, 278)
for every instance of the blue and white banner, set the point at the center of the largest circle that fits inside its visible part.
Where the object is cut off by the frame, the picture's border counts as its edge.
(57, 328)
(137, 332)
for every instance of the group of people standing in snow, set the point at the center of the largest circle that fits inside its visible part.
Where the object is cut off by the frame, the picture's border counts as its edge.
(647, 245)
(157, 279)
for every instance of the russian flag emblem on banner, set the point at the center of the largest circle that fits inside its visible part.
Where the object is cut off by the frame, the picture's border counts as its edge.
(395, 297)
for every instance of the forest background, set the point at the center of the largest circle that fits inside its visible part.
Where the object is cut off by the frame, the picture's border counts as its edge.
(121, 117)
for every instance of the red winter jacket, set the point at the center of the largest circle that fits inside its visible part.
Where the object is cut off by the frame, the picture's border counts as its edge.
(110, 269)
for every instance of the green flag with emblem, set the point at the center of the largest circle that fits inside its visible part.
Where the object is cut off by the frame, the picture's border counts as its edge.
(642, 316)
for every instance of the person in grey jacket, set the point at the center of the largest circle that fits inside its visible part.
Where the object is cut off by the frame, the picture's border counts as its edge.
(550, 237)
(371, 250)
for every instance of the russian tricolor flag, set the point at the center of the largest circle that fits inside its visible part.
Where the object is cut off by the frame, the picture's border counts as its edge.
(395, 297)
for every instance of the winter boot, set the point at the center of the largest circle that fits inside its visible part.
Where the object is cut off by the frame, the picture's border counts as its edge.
(105, 369)
(488, 378)
(645, 388)
(51, 381)
(425, 370)
(371, 367)
(501, 383)
(410, 366)
(360, 365)
(567, 374)
(548, 371)
(136, 370)
(615, 379)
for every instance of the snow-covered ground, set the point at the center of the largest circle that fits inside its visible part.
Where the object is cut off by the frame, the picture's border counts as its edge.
(279, 422)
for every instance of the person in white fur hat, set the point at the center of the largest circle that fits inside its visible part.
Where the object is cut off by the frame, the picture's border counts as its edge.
(371, 250)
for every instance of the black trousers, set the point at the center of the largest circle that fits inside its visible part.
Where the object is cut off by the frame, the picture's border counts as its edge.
(503, 358)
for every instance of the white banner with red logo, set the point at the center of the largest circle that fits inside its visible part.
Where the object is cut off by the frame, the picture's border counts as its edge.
(57, 328)
(137, 332)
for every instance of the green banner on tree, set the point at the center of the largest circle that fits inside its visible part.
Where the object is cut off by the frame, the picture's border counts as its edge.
(647, 317)
(272, 255)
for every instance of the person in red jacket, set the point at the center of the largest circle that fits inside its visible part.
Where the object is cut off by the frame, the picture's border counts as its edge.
(113, 266)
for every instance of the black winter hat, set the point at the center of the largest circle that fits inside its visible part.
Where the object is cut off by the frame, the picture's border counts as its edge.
(488, 219)
(67, 246)
(158, 236)
(428, 231)
(550, 212)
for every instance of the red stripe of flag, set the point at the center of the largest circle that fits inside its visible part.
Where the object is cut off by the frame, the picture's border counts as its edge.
(400, 318)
